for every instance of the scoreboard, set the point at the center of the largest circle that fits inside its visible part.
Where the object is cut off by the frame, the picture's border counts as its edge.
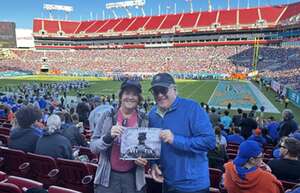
(7, 35)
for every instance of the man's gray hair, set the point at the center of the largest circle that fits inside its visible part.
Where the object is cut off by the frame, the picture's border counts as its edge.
(53, 123)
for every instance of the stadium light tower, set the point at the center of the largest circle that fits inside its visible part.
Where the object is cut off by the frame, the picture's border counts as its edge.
(209, 6)
(51, 7)
(228, 4)
(191, 5)
(126, 5)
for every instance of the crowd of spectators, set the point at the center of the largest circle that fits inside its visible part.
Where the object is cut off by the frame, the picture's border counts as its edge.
(279, 63)
(53, 127)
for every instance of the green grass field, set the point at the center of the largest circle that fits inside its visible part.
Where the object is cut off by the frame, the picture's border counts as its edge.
(199, 90)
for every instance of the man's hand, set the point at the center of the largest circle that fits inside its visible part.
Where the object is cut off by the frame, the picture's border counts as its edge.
(157, 174)
(141, 162)
(265, 167)
(116, 131)
(167, 136)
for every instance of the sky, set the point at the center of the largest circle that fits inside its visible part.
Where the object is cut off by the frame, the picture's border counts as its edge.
(22, 12)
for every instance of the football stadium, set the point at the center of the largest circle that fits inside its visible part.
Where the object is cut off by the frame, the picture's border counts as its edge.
(209, 98)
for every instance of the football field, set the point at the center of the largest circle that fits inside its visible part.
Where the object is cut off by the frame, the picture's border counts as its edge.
(240, 94)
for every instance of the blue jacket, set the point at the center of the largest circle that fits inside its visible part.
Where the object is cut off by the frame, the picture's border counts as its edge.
(24, 139)
(260, 139)
(184, 163)
(234, 138)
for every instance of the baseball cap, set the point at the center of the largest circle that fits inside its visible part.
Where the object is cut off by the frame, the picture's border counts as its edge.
(162, 79)
(296, 135)
(247, 150)
(132, 83)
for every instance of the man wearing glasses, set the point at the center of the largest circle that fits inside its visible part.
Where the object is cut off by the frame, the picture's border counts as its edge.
(288, 166)
(248, 173)
(186, 137)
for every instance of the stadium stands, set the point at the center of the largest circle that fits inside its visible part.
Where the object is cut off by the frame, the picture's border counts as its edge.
(269, 16)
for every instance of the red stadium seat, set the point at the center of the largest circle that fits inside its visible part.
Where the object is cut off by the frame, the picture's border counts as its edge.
(228, 150)
(231, 156)
(215, 177)
(4, 140)
(9, 188)
(43, 169)
(7, 125)
(13, 162)
(3, 176)
(75, 175)
(24, 183)
(4, 131)
(57, 189)
(287, 185)
(86, 151)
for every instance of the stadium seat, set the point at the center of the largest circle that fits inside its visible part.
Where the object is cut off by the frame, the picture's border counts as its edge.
(57, 189)
(9, 188)
(43, 169)
(75, 175)
(231, 150)
(3, 120)
(86, 151)
(3, 176)
(215, 177)
(13, 162)
(24, 183)
(4, 131)
(7, 125)
(287, 185)
(4, 140)
(231, 156)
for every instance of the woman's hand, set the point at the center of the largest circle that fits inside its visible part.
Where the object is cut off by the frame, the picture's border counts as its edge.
(116, 131)
(141, 162)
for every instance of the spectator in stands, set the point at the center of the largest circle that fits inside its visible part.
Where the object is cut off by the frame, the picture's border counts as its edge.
(214, 117)
(74, 131)
(114, 175)
(96, 112)
(257, 136)
(235, 137)
(288, 166)
(217, 157)
(187, 134)
(25, 136)
(226, 120)
(245, 173)
(272, 127)
(220, 139)
(247, 124)
(236, 119)
(53, 143)
(83, 110)
(288, 124)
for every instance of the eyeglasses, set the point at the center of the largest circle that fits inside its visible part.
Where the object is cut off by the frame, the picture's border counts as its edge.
(156, 90)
